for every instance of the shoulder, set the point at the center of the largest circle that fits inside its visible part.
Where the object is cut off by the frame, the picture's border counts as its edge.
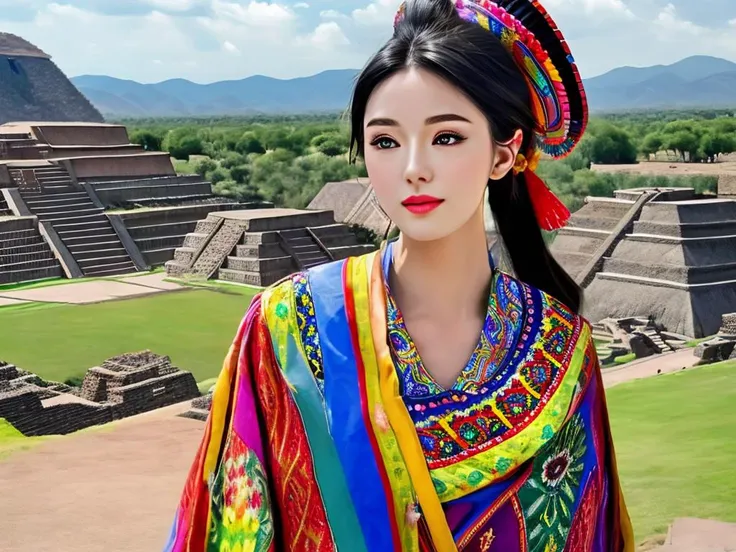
(328, 277)
(546, 310)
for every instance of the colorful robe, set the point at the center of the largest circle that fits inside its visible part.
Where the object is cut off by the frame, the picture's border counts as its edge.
(314, 442)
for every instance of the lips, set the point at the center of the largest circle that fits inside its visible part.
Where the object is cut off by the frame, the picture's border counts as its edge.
(421, 204)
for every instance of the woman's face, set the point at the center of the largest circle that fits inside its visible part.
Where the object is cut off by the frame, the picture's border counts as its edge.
(428, 152)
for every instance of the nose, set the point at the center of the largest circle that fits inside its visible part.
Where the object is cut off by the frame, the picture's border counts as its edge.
(418, 169)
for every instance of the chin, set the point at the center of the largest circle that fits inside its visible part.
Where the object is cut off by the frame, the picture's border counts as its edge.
(428, 229)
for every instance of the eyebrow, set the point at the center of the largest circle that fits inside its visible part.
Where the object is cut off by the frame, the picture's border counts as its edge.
(433, 120)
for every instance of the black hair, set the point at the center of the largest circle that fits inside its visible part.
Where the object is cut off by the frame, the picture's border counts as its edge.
(432, 36)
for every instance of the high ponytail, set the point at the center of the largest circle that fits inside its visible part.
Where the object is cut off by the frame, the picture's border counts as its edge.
(517, 226)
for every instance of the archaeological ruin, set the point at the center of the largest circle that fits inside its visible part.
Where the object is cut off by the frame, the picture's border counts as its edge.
(261, 246)
(665, 254)
(33, 88)
(354, 203)
(101, 205)
(120, 387)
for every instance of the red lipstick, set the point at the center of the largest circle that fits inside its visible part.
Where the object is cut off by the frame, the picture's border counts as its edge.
(421, 204)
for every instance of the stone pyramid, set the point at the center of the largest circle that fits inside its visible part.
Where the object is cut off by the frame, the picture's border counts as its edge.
(671, 255)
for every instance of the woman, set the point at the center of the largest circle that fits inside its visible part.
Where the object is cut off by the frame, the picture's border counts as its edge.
(359, 409)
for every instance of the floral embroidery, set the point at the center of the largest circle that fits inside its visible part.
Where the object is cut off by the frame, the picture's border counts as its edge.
(550, 492)
(307, 323)
(241, 514)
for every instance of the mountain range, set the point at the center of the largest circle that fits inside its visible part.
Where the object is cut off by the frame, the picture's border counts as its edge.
(694, 82)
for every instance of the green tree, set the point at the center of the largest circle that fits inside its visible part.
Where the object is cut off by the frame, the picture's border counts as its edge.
(685, 143)
(146, 138)
(652, 143)
(203, 166)
(183, 142)
(712, 143)
(249, 143)
(240, 174)
(612, 145)
(217, 175)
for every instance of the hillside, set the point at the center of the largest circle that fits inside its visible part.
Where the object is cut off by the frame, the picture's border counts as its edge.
(694, 82)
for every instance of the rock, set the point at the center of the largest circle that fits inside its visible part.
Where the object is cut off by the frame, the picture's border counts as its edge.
(642, 346)
(715, 350)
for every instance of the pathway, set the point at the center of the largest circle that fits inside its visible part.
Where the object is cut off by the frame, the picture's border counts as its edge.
(650, 366)
(94, 291)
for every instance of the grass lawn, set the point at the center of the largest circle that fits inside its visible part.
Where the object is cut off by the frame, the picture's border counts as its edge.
(195, 328)
(12, 440)
(675, 456)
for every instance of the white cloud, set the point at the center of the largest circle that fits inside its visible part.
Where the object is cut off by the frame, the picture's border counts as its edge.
(332, 14)
(301, 6)
(174, 5)
(230, 47)
(597, 8)
(668, 21)
(327, 36)
(380, 12)
(262, 14)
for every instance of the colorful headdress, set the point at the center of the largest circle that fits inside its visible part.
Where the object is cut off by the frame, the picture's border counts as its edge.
(558, 98)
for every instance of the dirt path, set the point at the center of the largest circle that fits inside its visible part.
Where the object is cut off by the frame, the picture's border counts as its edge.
(115, 489)
(648, 367)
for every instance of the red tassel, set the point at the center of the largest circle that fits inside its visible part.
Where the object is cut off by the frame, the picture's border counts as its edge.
(550, 211)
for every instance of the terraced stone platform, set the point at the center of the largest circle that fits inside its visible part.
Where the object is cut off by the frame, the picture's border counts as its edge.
(261, 246)
(677, 264)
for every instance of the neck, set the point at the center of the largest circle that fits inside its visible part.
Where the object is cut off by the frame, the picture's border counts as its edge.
(449, 277)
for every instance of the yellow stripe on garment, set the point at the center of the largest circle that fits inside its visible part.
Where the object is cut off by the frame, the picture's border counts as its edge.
(401, 487)
(400, 420)
(222, 402)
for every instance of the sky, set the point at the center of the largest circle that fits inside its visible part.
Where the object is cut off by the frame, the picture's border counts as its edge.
(212, 40)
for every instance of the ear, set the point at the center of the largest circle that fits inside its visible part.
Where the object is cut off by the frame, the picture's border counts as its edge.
(504, 155)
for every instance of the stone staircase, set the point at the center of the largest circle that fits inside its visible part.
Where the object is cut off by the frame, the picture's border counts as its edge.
(4, 209)
(83, 227)
(262, 250)
(24, 255)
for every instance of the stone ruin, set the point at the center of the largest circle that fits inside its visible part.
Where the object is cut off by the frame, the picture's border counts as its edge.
(722, 346)
(200, 407)
(260, 246)
(38, 407)
(138, 382)
(122, 386)
(668, 252)
(641, 336)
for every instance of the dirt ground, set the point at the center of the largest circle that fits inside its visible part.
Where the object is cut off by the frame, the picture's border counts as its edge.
(115, 488)
(112, 489)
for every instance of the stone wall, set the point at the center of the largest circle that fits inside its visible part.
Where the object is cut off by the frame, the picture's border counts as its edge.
(123, 386)
(138, 382)
(727, 185)
(37, 407)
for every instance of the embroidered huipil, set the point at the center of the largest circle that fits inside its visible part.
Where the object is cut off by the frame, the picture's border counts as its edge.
(327, 433)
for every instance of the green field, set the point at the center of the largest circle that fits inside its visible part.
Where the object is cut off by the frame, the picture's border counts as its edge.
(195, 328)
(675, 446)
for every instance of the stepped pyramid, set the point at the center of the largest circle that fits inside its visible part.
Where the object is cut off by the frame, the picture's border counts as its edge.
(671, 256)
(33, 88)
(261, 246)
